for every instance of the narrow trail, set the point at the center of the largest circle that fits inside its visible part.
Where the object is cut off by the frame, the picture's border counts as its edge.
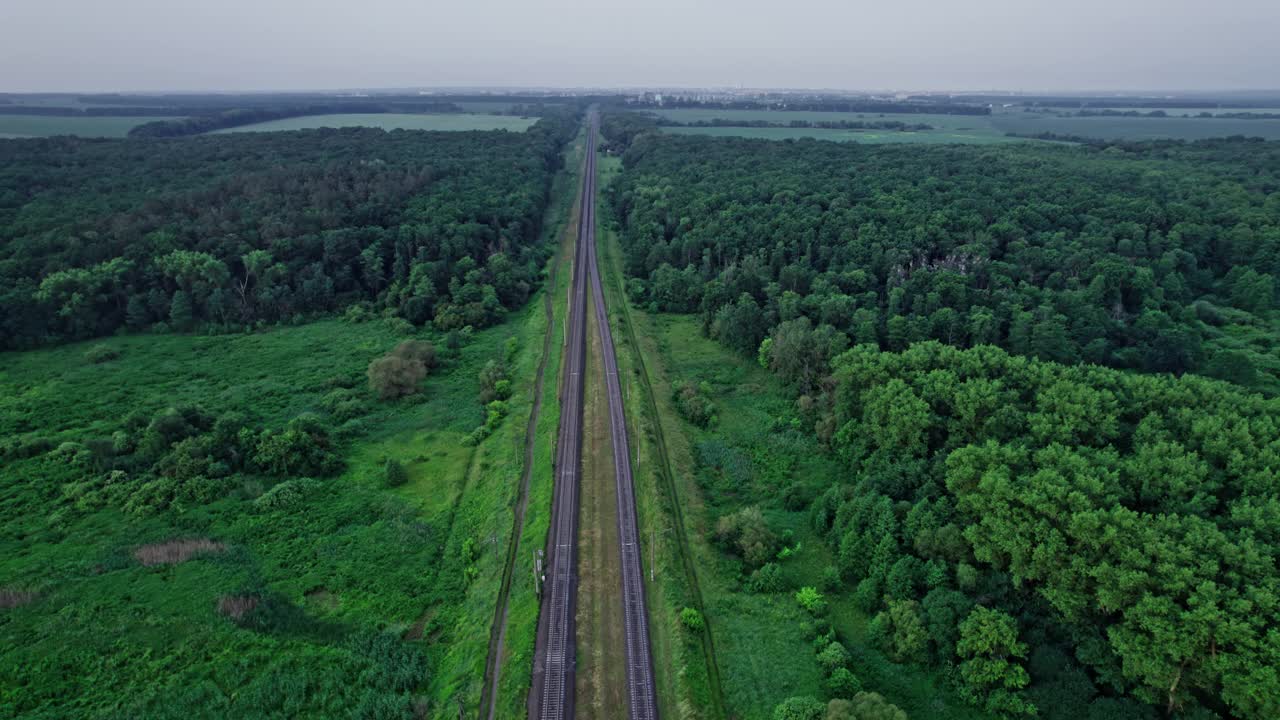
(497, 637)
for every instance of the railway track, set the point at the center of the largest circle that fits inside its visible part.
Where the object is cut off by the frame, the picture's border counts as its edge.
(641, 691)
(552, 689)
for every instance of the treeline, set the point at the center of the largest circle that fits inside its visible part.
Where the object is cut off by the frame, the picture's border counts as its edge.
(1162, 113)
(826, 124)
(1123, 255)
(248, 116)
(1225, 100)
(226, 232)
(1070, 539)
(826, 105)
(113, 111)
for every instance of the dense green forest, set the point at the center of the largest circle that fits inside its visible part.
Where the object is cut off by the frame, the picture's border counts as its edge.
(227, 232)
(1126, 256)
(1069, 524)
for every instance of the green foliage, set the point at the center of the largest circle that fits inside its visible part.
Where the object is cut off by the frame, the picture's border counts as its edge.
(811, 600)
(230, 231)
(864, 706)
(989, 650)
(162, 445)
(495, 382)
(692, 402)
(692, 620)
(842, 683)
(99, 354)
(901, 631)
(1074, 484)
(394, 474)
(799, 708)
(833, 657)
(1064, 253)
(285, 496)
(766, 579)
(746, 533)
(400, 372)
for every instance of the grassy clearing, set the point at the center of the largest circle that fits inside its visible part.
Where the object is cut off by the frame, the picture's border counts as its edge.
(393, 121)
(29, 126)
(522, 609)
(747, 458)
(352, 557)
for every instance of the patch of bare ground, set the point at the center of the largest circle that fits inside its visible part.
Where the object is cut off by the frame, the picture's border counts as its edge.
(175, 551)
(10, 598)
(236, 606)
(416, 631)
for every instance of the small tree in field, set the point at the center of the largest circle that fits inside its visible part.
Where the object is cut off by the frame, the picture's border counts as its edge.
(394, 473)
(392, 377)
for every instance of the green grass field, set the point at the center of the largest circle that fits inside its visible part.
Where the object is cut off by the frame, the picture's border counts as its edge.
(861, 136)
(393, 121)
(946, 128)
(1134, 128)
(28, 126)
(422, 561)
(971, 128)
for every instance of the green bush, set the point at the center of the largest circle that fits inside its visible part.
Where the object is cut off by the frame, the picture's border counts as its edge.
(99, 354)
(285, 495)
(811, 600)
(799, 708)
(692, 620)
(692, 403)
(394, 474)
(842, 683)
(766, 579)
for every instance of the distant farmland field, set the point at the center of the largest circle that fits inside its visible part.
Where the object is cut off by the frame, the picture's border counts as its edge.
(28, 126)
(1135, 128)
(946, 128)
(862, 136)
(971, 128)
(393, 121)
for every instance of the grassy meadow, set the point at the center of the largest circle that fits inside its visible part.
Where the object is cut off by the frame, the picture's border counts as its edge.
(393, 121)
(29, 126)
(350, 558)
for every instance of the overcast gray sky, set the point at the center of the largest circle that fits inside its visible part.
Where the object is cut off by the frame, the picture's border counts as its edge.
(105, 45)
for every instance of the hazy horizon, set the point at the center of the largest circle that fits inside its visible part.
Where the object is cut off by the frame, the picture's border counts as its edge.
(991, 45)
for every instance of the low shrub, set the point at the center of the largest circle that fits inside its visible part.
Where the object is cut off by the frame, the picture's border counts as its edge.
(99, 354)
